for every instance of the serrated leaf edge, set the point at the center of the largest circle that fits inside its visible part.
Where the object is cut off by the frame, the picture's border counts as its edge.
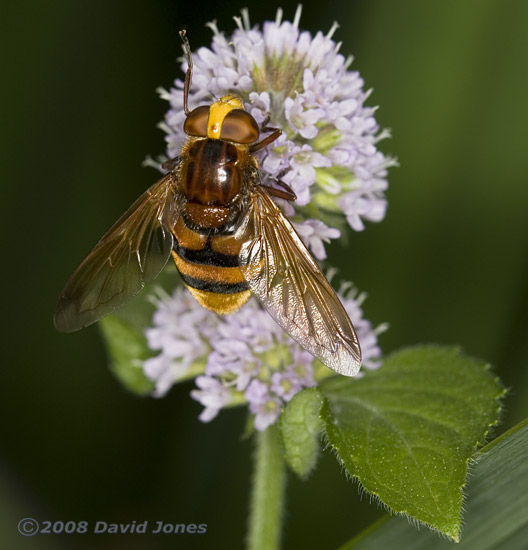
(479, 444)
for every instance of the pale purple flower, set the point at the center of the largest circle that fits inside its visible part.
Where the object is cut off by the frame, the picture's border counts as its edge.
(302, 120)
(241, 358)
(181, 333)
(300, 83)
(314, 233)
(263, 404)
(286, 384)
(213, 395)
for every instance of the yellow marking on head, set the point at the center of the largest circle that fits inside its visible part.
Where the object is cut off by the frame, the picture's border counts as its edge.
(219, 110)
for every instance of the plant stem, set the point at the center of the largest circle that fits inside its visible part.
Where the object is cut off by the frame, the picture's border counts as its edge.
(267, 497)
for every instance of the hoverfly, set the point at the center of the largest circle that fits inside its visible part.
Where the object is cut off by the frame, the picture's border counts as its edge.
(227, 236)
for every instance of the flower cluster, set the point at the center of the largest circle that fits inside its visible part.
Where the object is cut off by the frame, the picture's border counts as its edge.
(247, 356)
(300, 83)
(327, 154)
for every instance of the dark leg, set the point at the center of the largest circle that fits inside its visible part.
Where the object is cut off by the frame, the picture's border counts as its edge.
(285, 193)
(264, 128)
(265, 142)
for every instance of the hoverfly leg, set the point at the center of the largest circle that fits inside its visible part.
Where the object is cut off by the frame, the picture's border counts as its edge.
(285, 193)
(287, 189)
(170, 164)
(279, 193)
(264, 128)
(265, 142)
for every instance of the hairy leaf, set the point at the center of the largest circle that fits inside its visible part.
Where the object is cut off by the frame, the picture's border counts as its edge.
(496, 507)
(408, 430)
(301, 431)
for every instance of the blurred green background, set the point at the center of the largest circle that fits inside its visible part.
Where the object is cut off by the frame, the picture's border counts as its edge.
(449, 264)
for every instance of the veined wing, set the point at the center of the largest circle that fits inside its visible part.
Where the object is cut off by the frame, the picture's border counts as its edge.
(290, 285)
(129, 255)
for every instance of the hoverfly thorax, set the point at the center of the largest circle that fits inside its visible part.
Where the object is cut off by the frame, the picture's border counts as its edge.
(215, 160)
(213, 213)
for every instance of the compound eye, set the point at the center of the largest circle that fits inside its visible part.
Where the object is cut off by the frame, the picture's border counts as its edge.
(239, 126)
(196, 122)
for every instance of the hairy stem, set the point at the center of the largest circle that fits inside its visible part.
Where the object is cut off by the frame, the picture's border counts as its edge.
(267, 497)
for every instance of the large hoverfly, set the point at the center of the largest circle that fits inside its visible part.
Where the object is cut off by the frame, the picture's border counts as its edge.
(227, 236)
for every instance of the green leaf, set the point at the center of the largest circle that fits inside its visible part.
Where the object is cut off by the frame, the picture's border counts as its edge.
(496, 506)
(408, 430)
(301, 427)
(127, 349)
(123, 333)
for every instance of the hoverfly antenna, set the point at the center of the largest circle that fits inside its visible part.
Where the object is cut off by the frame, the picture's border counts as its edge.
(188, 74)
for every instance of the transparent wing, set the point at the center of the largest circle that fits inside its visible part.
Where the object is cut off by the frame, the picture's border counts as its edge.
(130, 254)
(292, 288)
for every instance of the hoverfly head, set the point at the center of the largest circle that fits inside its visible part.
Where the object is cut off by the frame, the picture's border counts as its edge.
(225, 119)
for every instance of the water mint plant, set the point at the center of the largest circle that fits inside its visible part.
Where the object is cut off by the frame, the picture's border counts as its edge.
(408, 425)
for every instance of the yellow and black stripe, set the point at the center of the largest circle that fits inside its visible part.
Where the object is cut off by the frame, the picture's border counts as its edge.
(210, 269)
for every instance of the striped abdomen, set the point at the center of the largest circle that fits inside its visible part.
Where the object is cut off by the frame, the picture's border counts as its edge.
(209, 267)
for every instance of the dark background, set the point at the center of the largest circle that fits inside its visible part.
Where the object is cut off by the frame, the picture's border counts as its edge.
(449, 264)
